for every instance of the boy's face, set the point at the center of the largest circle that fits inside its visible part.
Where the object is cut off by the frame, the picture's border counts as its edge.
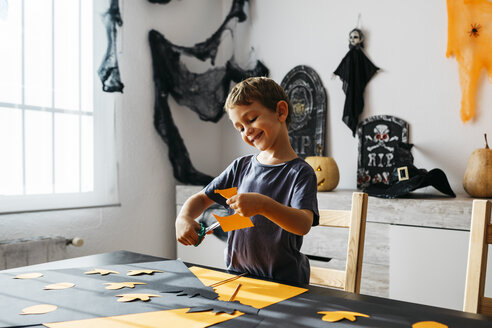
(259, 126)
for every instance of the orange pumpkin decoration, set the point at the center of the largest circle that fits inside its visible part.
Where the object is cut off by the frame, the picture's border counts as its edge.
(326, 170)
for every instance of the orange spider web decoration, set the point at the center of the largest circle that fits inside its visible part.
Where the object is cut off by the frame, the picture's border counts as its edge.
(470, 41)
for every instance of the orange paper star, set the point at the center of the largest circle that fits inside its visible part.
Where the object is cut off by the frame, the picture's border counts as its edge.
(332, 316)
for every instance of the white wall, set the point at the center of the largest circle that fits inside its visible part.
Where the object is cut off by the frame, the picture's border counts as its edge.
(407, 39)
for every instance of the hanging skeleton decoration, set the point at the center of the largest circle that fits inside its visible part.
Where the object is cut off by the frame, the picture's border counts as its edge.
(203, 93)
(109, 72)
(355, 71)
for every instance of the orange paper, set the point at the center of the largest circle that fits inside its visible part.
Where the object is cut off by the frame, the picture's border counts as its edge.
(227, 193)
(233, 222)
(470, 41)
(333, 316)
(254, 292)
(157, 319)
(428, 324)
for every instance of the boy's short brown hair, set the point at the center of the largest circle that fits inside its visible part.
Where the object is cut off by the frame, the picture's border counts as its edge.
(262, 89)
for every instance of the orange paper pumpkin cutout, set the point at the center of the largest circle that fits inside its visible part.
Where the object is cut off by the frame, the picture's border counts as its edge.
(102, 272)
(428, 324)
(119, 285)
(470, 41)
(333, 316)
(134, 297)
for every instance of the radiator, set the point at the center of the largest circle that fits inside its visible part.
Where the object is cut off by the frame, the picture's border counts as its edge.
(22, 252)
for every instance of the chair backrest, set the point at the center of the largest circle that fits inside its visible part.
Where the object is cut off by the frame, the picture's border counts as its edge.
(480, 237)
(355, 221)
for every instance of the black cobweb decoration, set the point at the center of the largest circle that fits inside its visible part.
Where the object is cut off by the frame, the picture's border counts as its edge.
(109, 72)
(204, 93)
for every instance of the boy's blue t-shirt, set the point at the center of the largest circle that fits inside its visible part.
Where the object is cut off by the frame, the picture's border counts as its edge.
(266, 249)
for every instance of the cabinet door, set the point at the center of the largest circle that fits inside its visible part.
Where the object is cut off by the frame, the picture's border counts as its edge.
(428, 266)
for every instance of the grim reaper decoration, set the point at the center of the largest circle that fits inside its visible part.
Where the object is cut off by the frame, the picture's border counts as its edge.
(109, 72)
(355, 71)
(203, 93)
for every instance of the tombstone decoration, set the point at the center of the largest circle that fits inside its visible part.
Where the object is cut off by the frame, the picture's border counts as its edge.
(378, 137)
(308, 98)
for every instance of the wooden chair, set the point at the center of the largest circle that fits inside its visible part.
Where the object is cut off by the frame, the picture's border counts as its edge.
(355, 221)
(480, 237)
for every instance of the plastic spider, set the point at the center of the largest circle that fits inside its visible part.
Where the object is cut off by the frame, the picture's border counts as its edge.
(475, 28)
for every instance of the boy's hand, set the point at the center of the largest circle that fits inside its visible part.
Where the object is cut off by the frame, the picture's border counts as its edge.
(187, 231)
(247, 204)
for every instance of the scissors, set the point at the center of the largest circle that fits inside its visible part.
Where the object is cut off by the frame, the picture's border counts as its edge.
(204, 230)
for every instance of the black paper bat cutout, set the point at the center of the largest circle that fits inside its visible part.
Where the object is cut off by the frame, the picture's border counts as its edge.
(224, 307)
(109, 72)
(206, 292)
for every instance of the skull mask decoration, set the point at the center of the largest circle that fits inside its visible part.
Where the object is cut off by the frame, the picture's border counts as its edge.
(356, 38)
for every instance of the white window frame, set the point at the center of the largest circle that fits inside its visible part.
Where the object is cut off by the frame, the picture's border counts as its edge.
(105, 192)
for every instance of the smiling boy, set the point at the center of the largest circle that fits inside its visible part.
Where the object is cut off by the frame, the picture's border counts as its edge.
(276, 189)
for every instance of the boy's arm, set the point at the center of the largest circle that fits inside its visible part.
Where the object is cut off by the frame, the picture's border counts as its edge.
(296, 221)
(186, 226)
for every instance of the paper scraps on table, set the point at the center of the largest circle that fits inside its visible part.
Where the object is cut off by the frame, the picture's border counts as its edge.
(102, 272)
(333, 316)
(254, 292)
(235, 293)
(39, 309)
(169, 318)
(141, 272)
(134, 297)
(31, 275)
(126, 284)
(206, 292)
(429, 324)
(59, 285)
(235, 221)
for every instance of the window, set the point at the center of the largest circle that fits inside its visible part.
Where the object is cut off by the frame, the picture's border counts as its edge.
(56, 126)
